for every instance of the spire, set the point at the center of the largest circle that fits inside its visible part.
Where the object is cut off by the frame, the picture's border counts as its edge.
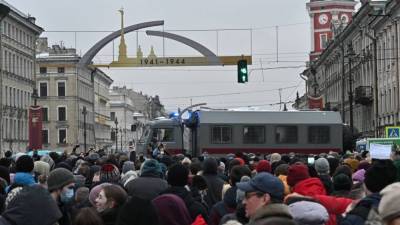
(122, 46)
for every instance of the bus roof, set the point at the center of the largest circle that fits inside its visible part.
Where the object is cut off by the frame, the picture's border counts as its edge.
(270, 117)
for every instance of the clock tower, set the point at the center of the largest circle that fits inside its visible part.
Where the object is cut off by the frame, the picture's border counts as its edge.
(326, 16)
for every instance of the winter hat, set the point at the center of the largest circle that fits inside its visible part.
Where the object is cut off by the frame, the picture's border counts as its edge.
(297, 172)
(282, 170)
(241, 161)
(308, 213)
(109, 173)
(178, 175)
(64, 165)
(5, 174)
(93, 157)
(359, 176)
(275, 157)
(263, 166)
(389, 205)
(151, 166)
(353, 163)
(128, 176)
(343, 169)
(342, 182)
(128, 165)
(49, 160)
(19, 154)
(379, 175)
(94, 193)
(41, 168)
(24, 164)
(322, 166)
(210, 166)
(58, 178)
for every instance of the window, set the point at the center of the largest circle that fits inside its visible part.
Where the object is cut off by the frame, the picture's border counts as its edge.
(221, 135)
(253, 134)
(318, 134)
(164, 134)
(286, 134)
(61, 88)
(45, 114)
(43, 89)
(323, 40)
(43, 70)
(61, 70)
(62, 136)
(45, 136)
(62, 116)
(112, 116)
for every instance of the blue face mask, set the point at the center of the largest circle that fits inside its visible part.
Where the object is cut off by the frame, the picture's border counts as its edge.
(67, 196)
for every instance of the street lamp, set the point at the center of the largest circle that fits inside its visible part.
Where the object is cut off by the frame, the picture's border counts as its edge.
(84, 112)
(116, 134)
(4, 10)
(350, 55)
(120, 130)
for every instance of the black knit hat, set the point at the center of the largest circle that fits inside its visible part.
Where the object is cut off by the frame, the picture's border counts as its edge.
(342, 182)
(379, 175)
(24, 164)
(178, 175)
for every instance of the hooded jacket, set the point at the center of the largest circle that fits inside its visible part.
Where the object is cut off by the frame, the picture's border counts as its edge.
(335, 206)
(272, 213)
(32, 205)
(310, 187)
(195, 208)
(147, 186)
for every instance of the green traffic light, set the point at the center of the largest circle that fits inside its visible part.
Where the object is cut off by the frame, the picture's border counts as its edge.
(243, 70)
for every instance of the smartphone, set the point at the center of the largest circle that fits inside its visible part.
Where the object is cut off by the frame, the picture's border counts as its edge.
(310, 160)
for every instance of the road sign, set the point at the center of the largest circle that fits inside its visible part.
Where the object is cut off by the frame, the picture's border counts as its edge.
(393, 132)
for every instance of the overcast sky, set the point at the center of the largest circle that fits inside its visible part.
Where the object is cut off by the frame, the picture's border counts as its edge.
(179, 86)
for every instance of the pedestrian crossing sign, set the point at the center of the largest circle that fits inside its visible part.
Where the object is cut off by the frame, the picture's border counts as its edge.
(393, 132)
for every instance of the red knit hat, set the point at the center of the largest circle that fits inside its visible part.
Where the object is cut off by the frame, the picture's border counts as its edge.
(297, 172)
(242, 163)
(263, 166)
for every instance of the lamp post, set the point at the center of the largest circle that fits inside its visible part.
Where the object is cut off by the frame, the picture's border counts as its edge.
(4, 10)
(121, 137)
(84, 112)
(350, 55)
(116, 133)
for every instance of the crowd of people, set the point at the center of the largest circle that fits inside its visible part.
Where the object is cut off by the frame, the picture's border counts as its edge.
(123, 189)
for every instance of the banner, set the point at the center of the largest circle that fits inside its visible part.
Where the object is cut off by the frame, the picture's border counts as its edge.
(315, 103)
(35, 127)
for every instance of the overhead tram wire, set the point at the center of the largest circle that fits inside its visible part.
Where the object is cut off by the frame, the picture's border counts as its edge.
(231, 93)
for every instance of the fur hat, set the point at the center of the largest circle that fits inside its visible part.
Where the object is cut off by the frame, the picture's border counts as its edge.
(297, 172)
(151, 166)
(275, 157)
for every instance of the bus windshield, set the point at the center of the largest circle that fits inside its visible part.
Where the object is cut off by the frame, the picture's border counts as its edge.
(145, 134)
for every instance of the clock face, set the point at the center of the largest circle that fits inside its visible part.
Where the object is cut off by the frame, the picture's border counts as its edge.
(344, 18)
(323, 19)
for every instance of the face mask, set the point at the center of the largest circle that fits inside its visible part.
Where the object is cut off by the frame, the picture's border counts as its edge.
(67, 196)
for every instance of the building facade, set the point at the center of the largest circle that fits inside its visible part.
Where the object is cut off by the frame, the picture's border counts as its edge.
(66, 94)
(17, 46)
(358, 72)
(102, 127)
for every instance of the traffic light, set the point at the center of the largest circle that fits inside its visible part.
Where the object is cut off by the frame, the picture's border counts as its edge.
(242, 71)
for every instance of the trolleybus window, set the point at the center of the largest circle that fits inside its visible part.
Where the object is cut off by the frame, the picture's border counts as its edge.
(253, 134)
(221, 135)
(318, 134)
(164, 134)
(286, 134)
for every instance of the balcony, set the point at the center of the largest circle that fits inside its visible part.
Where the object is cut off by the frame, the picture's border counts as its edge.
(363, 95)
